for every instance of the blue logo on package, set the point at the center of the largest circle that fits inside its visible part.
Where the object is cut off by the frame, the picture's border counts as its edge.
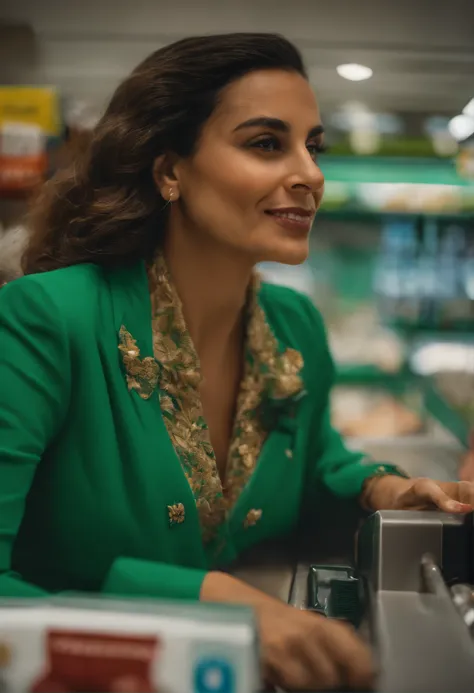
(214, 675)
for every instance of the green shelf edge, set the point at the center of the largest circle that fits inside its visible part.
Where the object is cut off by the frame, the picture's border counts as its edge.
(374, 216)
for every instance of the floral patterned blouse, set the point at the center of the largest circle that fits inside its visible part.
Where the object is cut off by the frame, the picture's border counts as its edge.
(271, 380)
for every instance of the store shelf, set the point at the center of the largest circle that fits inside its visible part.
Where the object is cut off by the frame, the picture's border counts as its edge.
(442, 423)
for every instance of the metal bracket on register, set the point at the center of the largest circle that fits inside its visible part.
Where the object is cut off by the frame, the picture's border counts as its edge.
(407, 560)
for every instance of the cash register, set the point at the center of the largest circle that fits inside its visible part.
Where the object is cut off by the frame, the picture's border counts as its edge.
(410, 592)
(408, 588)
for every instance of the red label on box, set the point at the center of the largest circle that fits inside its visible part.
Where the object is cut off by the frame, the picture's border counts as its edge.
(19, 173)
(82, 662)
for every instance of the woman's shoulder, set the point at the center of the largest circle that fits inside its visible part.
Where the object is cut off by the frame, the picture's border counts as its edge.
(69, 291)
(86, 274)
(59, 283)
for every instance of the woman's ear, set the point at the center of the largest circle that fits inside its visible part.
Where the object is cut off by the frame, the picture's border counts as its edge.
(165, 177)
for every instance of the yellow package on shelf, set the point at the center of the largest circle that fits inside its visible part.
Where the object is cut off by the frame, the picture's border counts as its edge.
(31, 106)
(29, 116)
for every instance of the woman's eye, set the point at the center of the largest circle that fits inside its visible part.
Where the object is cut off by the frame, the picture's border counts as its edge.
(269, 144)
(272, 144)
(315, 150)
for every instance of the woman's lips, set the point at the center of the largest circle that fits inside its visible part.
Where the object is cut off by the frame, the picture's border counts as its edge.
(293, 218)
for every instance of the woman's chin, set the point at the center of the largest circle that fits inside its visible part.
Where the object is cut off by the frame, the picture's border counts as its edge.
(289, 253)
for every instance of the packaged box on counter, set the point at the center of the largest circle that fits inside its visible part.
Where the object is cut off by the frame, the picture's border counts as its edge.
(105, 646)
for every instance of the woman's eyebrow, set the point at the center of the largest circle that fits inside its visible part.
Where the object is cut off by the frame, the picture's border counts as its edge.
(275, 124)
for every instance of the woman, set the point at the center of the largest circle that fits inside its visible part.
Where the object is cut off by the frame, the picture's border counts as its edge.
(160, 411)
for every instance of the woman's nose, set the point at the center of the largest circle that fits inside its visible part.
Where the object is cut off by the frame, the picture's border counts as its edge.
(306, 174)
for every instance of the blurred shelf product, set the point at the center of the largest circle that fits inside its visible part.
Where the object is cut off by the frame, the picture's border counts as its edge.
(401, 419)
(93, 644)
(30, 125)
(357, 337)
(398, 198)
(407, 407)
(424, 275)
(374, 412)
(402, 185)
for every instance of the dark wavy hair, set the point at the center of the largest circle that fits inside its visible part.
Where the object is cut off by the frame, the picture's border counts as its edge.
(106, 208)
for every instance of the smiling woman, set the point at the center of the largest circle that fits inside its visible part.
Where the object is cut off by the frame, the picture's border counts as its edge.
(253, 183)
(253, 126)
(161, 410)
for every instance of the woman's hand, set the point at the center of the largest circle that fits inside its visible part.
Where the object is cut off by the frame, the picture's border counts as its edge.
(300, 650)
(395, 493)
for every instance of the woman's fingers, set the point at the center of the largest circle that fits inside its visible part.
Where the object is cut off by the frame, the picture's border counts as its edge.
(461, 493)
(321, 665)
(304, 668)
(465, 493)
(352, 656)
(333, 658)
(293, 675)
(321, 655)
(425, 492)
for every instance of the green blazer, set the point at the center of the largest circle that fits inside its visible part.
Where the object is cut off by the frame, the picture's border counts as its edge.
(93, 495)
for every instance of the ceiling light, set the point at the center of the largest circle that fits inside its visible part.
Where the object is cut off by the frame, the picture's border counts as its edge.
(354, 72)
(461, 127)
(469, 109)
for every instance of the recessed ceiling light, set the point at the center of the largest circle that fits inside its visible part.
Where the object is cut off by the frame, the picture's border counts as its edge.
(354, 72)
(461, 127)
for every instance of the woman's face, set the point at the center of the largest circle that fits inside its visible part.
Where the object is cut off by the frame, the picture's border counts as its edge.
(253, 185)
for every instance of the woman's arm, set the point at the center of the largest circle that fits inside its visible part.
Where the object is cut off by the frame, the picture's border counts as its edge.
(332, 468)
(35, 389)
(34, 392)
(342, 472)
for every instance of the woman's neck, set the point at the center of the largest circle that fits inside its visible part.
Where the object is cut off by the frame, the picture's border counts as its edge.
(212, 284)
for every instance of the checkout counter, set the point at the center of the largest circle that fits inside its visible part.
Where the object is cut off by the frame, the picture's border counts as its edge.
(406, 584)
(407, 587)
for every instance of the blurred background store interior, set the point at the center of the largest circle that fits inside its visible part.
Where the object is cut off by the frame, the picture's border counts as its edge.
(392, 251)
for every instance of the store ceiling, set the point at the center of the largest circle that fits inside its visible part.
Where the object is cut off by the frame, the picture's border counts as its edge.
(421, 51)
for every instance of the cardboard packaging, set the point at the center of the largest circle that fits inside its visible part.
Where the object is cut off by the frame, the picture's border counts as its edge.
(78, 645)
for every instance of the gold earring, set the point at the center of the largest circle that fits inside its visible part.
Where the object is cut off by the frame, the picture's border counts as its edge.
(171, 194)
